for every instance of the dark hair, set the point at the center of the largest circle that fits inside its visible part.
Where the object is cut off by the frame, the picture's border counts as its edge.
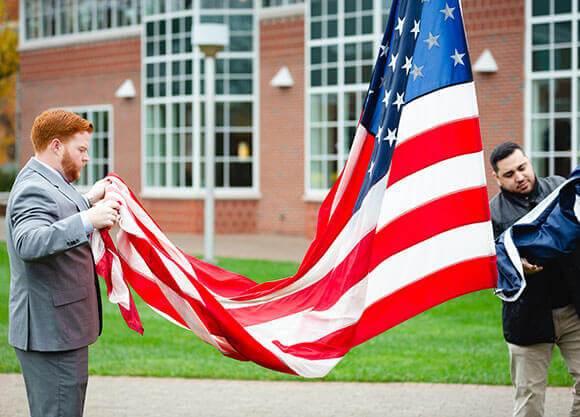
(502, 151)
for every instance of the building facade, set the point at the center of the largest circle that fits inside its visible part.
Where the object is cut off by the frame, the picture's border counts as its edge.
(289, 90)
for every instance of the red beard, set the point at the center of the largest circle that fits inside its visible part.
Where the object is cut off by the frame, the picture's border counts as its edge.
(71, 171)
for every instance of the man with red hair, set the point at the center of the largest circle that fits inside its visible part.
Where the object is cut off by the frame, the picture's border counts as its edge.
(55, 305)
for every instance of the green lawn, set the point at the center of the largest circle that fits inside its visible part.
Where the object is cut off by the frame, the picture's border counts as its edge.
(457, 342)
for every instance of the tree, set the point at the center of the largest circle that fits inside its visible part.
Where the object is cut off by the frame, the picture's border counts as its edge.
(8, 73)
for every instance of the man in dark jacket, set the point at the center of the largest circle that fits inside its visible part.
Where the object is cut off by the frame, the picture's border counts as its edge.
(546, 312)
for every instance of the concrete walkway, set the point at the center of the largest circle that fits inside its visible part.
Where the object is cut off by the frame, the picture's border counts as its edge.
(161, 397)
(248, 246)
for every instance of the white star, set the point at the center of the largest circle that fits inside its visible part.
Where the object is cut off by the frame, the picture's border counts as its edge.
(384, 49)
(417, 72)
(448, 12)
(432, 41)
(458, 58)
(399, 101)
(400, 24)
(393, 63)
(379, 132)
(407, 66)
(371, 92)
(386, 98)
(391, 136)
(372, 167)
(384, 81)
(415, 29)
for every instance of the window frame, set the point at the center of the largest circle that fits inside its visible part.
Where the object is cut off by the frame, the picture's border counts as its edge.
(197, 100)
(75, 36)
(378, 15)
(552, 75)
(91, 109)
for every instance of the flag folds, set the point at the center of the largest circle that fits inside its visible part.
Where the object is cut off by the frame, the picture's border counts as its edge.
(405, 227)
(550, 230)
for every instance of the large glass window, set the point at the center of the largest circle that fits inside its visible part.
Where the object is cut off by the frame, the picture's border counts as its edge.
(553, 82)
(52, 18)
(342, 46)
(273, 3)
(101, 147)
(175, 96)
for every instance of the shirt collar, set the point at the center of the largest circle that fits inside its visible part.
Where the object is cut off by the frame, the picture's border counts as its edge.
(50, 168)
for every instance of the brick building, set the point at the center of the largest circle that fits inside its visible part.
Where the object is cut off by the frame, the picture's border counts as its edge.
(278, 148)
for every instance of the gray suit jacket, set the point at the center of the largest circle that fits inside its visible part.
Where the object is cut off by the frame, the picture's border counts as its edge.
(54, 301)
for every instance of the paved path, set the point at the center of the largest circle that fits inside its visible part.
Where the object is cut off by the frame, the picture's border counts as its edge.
(248, 246)
(174, 397)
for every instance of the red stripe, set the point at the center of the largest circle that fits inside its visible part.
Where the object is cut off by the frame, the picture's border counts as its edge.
(454, 281)
(449, 212)
(328, 230)
(214, 317)
(435, 145)
(452, 211)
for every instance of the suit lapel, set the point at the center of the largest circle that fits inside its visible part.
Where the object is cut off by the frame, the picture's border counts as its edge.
(59, 183)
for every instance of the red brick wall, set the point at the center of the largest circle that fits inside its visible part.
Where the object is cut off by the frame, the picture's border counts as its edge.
(11, 9)
(282, 209)
(83, 76)
(186, 216)
(498, 25)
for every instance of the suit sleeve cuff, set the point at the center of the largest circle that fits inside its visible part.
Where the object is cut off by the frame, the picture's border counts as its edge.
(86, 223)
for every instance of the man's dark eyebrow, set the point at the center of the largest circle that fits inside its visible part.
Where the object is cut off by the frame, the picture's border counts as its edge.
(511, 171)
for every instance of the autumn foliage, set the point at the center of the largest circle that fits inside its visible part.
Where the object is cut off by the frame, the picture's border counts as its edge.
(8, 75)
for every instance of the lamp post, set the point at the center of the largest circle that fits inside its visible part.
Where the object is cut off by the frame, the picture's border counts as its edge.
(211, 39)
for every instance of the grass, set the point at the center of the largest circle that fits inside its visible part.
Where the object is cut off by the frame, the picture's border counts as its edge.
(457, 342)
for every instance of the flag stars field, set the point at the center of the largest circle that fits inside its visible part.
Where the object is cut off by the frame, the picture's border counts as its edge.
(417, 72)
(415, 31)
(448, 12)
(400, 101)
(393, 62)
(432, 40)
(407, 66)
(400, 25)
(457, 58)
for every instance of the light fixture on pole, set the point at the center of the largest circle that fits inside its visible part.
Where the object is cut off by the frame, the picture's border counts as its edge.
(211, 39)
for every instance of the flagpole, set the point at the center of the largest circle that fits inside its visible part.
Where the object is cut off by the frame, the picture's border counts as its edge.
(211, 39)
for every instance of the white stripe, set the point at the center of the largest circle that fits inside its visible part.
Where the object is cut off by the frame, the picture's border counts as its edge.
(353, 156)
(359, 225)
(185, 311)
(449, 104)
(398, 271)
(431, 183)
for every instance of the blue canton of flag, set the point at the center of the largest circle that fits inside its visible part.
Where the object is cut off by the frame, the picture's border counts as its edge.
(423, 49)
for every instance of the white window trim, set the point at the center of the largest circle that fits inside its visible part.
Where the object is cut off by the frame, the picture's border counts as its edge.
(79, 38)
(551, 75)
(75, 38)
(318, 195)
(92, 108)
(196, 192)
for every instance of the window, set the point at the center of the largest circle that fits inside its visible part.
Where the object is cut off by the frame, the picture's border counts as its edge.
(553, 75)
(54, 18)
(342, 46)
(274, 3)
(174, 104)
(101, 147)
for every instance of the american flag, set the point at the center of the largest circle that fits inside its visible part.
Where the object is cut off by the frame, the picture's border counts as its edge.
(551, 230)
(406, 226)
